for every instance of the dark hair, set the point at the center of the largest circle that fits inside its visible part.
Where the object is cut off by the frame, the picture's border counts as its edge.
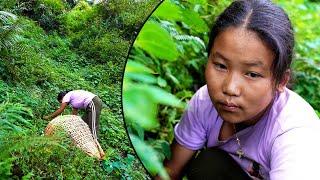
(62, 94)
(271, 24)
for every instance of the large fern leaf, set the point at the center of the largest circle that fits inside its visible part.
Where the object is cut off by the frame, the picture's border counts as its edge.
(14, 116)
(9, 28)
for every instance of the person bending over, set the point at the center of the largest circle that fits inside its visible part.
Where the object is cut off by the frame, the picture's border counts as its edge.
(81, 99)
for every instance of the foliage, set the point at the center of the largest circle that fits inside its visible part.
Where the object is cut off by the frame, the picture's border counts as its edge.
(120, 165)
(9, 41)
(52, 45)
(8, 29)
(169, 55)
(149, 157)
(154, 69)
(76, 18)
(140, 103)
(45, 12)
(40, 156)
(305, 18)
(12, 117)
(127, 17)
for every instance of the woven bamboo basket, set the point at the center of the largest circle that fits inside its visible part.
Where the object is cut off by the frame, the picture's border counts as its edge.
(78, 131)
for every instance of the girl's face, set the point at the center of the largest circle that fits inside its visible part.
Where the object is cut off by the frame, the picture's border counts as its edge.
(239, 77)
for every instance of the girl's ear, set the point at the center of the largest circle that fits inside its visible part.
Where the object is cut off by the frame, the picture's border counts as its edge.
(281, 86)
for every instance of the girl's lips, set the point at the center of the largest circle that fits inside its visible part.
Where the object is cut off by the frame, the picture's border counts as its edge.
(229, 106)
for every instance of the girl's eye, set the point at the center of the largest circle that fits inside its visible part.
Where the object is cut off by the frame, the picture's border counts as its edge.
(220, 66)
(253, 75)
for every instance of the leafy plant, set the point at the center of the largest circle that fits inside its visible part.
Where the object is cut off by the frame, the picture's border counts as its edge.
(306, 65)
(65, 45)
(8, 30)
(12, 117)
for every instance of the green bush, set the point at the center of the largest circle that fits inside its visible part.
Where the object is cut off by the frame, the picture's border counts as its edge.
(76, 19)
(54, 45)
(46, 13)
(306, 67)
(108, 48)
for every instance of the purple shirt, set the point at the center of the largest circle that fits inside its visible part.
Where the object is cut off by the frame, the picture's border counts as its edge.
(285, 142)
(78, 99)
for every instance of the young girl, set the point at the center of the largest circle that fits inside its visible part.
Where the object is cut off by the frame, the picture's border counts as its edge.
(245, 121)
(80, 99)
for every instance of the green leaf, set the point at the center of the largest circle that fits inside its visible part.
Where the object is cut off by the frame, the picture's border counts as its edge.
(129, 159)
(161, 146)
(157, 42)
(141, 77)
(168, 11)
(28, 176)
(140, 104)
(161, 82)
(138, 129)
(198, 2)
(133, 66)
(174, 79)
(139, 109)
(194, 21)
(161, 96)
(148, 157)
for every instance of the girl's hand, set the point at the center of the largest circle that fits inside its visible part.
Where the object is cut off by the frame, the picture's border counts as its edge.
(179, 158)
(57, 112)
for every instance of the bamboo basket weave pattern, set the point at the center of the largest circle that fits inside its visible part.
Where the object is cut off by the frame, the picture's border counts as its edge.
(78, 131)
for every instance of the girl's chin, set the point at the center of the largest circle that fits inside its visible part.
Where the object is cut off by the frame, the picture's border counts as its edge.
(233, 118)
(233, 121)
(237, 119)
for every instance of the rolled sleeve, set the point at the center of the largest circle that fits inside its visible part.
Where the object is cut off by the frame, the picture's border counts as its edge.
(67, 98)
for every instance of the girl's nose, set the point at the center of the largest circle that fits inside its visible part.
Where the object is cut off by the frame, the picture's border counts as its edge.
(231, 85)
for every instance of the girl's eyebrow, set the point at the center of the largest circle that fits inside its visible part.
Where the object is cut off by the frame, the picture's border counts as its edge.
(219, 55)
(254, 63)
(246, 63)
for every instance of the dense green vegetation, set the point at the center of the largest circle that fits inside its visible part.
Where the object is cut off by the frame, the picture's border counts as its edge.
(47, 46)
(166, 67)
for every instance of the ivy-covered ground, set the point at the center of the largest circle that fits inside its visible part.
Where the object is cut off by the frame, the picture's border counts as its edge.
(47, 46)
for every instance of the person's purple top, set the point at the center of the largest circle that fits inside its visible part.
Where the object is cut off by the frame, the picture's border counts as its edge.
(78, 99)
(284, 143)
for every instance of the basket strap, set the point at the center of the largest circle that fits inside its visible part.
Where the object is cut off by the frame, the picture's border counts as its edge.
(93, 120)
(101, 152)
